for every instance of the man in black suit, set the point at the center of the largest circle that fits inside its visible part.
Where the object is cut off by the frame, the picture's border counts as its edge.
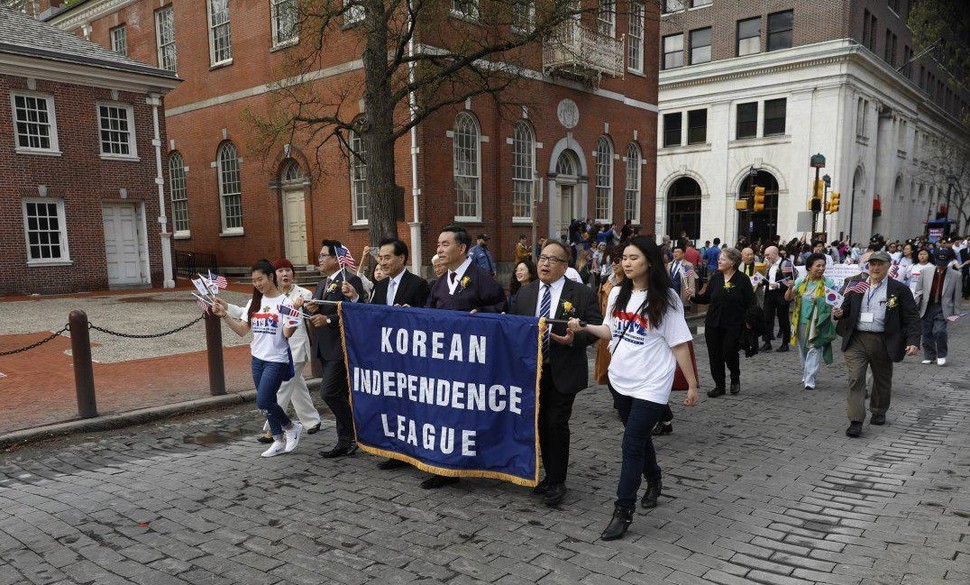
(328, 348)
(565, 369)
(878, 326)
(462, 287)
(400, 288)
(778, 278)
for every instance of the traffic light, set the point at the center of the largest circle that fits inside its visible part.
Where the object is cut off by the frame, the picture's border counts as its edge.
(741, 204)
(759, 199)
(815, 203)
(833, 205)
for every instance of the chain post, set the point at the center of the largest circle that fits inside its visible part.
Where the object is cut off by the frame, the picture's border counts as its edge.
(213, 344)
(87, 406)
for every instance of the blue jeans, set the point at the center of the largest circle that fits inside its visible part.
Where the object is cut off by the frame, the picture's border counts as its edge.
(268, 377)
(639, 457)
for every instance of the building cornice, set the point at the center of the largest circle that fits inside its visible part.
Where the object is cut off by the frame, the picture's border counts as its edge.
(75, 16)
(79, 74)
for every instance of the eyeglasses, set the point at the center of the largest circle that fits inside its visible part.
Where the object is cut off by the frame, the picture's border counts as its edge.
(550, 259)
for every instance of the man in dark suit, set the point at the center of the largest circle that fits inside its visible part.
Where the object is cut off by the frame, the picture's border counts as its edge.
(778, 278)
(462, 287)
(565, 369)
(400, 288)
(336, 285)
(879, 325)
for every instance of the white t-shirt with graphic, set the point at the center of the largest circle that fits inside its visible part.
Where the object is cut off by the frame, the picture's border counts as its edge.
(643, 364)
(269, 344)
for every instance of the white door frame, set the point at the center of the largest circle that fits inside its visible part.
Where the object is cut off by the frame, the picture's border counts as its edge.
(144, 260)
(286, 189)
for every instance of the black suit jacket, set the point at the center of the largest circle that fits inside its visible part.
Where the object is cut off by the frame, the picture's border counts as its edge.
(569, 366)
(902, 320)
(728, 306)
(481, 293)
(413, 291)
(327, 343)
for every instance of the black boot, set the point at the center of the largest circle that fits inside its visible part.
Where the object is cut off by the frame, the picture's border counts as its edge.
(652, 494)
(622, 518)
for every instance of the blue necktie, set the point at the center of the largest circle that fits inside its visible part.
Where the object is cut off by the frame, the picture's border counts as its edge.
(544, 307)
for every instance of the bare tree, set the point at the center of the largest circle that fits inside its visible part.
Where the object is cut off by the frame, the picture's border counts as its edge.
(419, 57)
(946, 165)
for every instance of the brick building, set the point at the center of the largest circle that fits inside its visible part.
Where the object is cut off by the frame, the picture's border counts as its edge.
(80, 201)
(589, 139)
(749, 91)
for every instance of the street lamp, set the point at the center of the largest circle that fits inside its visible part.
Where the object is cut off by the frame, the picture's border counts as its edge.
(951, 181)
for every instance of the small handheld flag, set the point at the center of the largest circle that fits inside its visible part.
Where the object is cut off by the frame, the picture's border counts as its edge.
(860, 287)
(344, 258)
(219, 281)
(894, 271)
(833, 298)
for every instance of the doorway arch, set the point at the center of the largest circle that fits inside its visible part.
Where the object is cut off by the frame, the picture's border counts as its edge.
(684, 208)
(293, 193)
(764, 224)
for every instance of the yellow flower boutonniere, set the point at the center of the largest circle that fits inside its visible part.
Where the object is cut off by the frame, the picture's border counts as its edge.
(728, 285)
(463, 284)
(332, 287)
(568, 309)
(891, 304)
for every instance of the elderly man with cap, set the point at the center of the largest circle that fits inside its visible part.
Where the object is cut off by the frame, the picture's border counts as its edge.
(941, 290)
(879, 325)
(481, 256)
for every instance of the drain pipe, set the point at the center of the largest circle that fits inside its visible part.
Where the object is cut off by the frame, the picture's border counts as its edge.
(414, 225)
(155, 100)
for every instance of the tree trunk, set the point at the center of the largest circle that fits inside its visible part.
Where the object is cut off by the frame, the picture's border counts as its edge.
(377, 133)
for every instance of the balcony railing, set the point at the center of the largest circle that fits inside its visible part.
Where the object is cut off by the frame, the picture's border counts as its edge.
(578, 52)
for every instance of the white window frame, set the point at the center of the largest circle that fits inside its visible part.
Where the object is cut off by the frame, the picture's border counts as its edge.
(523, 175)
(129, 119)
(165, 47)
(604, 181)
(221, 161)
(214, 61)
(354, 14)
(634, 60)
(51, 123)
(606, 18)
(119, 39)
(275, 6)
(465, 9)
(65, 258)
(523, 16)
(358, 180)
(665, 52)
(178, 194)
(634, 183)
(467, 135)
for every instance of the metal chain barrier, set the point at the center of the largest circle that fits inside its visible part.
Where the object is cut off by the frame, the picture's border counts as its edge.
(33, 345)
(145, 336)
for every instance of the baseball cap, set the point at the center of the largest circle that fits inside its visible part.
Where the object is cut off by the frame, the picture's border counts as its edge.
(880, 257)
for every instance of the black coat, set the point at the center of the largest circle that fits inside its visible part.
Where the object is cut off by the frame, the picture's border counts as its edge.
(902, 320)
(727, 306)
(481, 293)
(412, 291)
(326, 339)
(569, 366)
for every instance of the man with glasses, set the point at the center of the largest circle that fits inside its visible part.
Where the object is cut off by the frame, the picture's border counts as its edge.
(565, 369)
(328, 347)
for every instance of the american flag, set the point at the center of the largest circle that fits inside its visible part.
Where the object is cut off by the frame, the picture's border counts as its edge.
(860, 287)
(345, 259)
(688, 269)
(289, 311)
(894, 271)
(205, 306)
(219, 281)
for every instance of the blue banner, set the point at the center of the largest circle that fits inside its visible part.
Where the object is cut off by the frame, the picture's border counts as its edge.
(448, 392)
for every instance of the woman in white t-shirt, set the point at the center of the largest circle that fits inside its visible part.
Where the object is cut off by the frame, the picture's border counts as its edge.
(648, 333)
(272, 362)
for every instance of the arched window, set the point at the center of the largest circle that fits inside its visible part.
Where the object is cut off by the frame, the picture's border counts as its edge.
(176, 186)
(358, 179)
(632, 194)
(230, 188)
(467, 153)
(604, 180)
(292, 172)
(523, 171)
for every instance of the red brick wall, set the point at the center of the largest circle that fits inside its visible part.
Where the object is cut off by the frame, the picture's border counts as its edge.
(82, 179)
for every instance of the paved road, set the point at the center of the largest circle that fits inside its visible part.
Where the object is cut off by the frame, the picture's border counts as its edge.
(761, 487)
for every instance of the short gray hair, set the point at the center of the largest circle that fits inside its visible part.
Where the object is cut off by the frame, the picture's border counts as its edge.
(733, 255)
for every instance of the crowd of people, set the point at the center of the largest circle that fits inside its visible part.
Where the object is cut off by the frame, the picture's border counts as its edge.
(629, 297)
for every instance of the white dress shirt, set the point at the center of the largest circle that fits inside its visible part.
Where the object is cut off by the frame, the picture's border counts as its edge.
(453, 282)
(555, 292)
(392, 285)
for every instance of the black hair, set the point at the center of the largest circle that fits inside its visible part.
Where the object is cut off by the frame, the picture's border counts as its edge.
(266, 268)
(332, 245)
(514, 284)
(461, 235)
(658, 283)
(813, 258)
(717, 241)
(400, 248)
(567, 250)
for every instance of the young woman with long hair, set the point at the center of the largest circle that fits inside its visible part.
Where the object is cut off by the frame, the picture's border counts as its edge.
(645, 321)
(272, 362)
(524, 273)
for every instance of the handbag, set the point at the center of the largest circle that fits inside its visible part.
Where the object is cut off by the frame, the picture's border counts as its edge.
(680, 380)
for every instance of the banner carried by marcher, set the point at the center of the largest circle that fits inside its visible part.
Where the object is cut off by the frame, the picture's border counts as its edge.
(448, 392)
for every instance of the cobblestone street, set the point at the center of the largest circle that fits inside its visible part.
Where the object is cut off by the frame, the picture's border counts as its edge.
(763, 487)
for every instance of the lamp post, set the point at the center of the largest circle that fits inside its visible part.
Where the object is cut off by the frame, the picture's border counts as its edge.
(951, 180)
(825, 194)
(752, 175)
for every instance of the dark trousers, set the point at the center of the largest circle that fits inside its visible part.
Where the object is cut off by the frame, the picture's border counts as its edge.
(336, 394)
(776, 307)
(555, 408)
(639, 456)
(868, 351)
(934, 332)
(722, 350)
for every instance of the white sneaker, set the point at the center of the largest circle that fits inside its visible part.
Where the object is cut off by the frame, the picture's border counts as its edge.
(941, 361)
(293, 436)
(926, 362)
(278, 446)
